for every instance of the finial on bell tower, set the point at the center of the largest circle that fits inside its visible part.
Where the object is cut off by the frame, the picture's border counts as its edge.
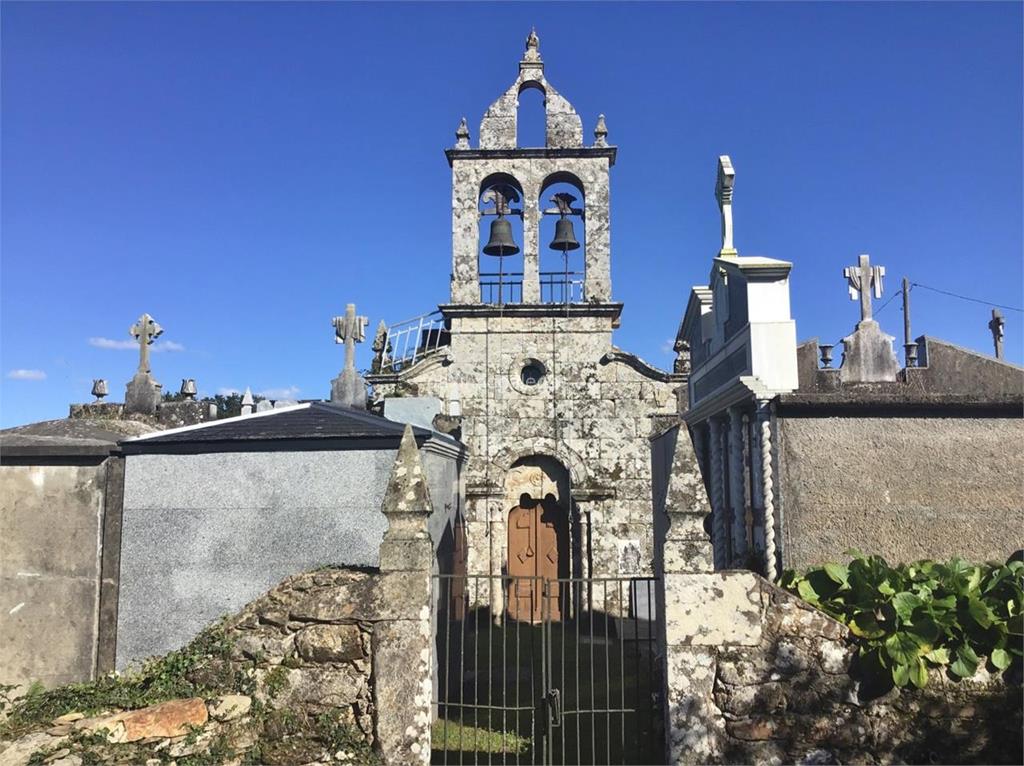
(462, 135)
(601, 132)
(723, 192)
(532, 46)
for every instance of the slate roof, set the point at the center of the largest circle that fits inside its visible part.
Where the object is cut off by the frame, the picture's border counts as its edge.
(318, 422)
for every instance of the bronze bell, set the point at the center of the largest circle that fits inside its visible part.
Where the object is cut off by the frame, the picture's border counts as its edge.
(565, 237)
(501, 242)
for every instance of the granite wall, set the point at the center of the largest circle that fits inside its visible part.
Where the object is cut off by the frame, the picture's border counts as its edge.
(902, 486)
(205, 533)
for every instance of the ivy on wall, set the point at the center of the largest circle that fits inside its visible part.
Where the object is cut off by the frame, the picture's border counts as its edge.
(926, 614)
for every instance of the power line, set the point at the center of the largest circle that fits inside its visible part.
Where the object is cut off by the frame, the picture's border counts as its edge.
(966, 298)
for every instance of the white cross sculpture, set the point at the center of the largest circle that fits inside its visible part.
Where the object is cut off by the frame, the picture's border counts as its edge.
(862, 279)
(145, 331)
(350, 330)
(723, 193)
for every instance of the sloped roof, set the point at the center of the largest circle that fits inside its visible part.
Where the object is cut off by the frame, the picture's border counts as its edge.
(67, 438)
(318, 422)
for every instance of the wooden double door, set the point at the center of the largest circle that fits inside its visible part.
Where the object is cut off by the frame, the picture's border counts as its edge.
(538, 556)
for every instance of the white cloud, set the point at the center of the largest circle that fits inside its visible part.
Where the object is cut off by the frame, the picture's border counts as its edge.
(26, 375)
(121, 345)
(668, 346)
(227, 391)
(128, 345)
(279, 393)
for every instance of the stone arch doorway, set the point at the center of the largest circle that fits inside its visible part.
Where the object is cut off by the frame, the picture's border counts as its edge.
(539, 533)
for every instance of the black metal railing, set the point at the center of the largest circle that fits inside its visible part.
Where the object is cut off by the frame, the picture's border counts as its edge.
(561, 287)
(555, 287)
(574, 680)
(501, 287)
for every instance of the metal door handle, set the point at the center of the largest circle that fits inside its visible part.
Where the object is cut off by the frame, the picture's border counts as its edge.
(554, 700)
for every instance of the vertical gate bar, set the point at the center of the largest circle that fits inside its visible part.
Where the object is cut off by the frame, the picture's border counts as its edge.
(593, 706)
(636, 651)
(476, 674)
(504, 687)
(490, 670)
(462, 676)
(436, 605)
(533, 675)
(515, 592)
(579, 695)
(607, 678)
(561, 635)
(650, 655)
(545, 605)
(447, 670)
(622, 673)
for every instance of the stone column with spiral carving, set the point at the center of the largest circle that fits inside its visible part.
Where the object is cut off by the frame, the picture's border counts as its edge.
(764, 418)
(737, 495)
(719, 526)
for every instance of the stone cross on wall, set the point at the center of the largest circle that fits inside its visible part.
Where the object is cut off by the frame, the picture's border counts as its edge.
(863, 279)
(723, 193)
(145, 331)
(348, 388)
(998, 327)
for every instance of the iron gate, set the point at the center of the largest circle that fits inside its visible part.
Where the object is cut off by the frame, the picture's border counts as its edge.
(581, 689)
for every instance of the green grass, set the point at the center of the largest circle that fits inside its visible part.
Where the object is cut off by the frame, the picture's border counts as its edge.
(454, 736)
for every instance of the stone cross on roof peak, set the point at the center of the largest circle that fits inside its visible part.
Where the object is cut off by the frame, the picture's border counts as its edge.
(723, 193)
(862, 279)
(145, 331)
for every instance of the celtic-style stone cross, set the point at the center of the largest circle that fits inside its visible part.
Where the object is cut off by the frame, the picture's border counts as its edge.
(350, 330)
(862, 279)
(145, 331)
(723, 193)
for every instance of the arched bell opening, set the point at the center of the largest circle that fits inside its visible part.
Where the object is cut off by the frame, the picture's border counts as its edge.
(500, 205)
(562, 237)
(531, 116)
(543, 541)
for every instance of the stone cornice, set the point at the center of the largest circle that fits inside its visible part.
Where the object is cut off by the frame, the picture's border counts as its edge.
(644, 368)
(608, 152)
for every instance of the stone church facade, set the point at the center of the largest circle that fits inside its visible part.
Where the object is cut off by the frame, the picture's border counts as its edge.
(557, 419)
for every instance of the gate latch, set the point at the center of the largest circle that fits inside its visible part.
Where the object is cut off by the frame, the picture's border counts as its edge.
(554, 700)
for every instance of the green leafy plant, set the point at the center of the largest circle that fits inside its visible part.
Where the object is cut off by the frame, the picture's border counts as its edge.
(921, 615)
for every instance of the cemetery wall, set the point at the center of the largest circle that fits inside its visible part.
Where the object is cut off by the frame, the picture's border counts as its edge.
(51, 523)
(755, 675)
(205, 533)
(906, 487)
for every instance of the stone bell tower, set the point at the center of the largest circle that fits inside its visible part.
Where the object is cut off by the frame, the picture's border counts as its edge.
(500, 179)
(520, 363)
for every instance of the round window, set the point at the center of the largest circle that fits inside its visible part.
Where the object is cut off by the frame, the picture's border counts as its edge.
(532, 373)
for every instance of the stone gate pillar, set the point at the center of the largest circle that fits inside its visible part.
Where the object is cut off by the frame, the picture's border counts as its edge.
(402, 651)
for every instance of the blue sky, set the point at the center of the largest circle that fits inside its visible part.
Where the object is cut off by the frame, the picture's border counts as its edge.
(242, 171)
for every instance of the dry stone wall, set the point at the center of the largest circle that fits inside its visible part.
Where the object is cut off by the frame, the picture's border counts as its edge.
(778, 688)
